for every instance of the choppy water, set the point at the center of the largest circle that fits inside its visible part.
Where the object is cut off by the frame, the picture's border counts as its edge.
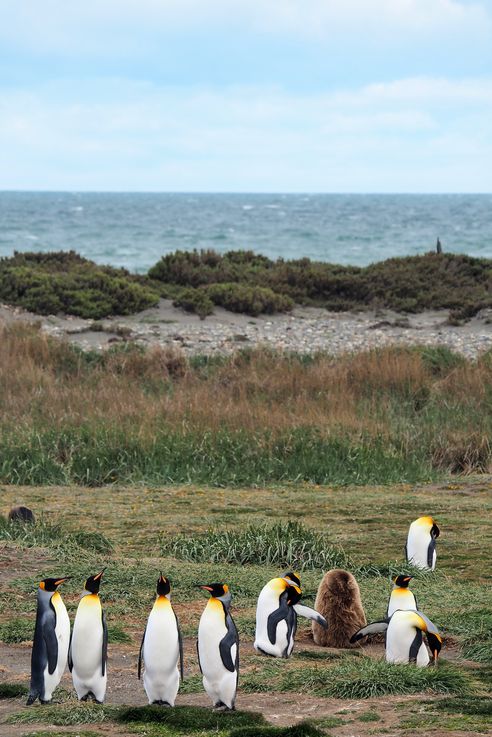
(135, 230)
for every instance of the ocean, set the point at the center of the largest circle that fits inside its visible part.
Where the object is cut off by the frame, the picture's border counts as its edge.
(134, 230)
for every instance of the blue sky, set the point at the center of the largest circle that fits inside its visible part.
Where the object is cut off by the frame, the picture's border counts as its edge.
(246, 95)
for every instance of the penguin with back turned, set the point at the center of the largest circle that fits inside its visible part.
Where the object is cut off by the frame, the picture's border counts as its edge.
(401, 597)
(404, 641)
(420, 549)
(50, 642)
(218, 648)
(276, 615)
(161, 651)
(89, 644)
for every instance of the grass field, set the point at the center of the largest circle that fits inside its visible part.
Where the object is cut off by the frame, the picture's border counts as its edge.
(139, 530)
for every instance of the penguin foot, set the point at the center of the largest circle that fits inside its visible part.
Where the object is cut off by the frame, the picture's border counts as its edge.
(84, 698)
(48, 701)
(160, 702)
(220, 706)
(31, 700)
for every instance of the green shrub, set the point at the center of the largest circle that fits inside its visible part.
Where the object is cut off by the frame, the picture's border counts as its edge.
(412, 284)
(285, 544)
(194, 300)
(48, 283)
(249, 300)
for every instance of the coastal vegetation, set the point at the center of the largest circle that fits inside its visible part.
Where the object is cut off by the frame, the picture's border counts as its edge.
(256, 417)
(50, 283)
(246, 282)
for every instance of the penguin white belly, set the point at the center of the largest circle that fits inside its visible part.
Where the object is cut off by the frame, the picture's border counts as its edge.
(87, 643)
(62, 632)
(418, 543)
(268, 602)
(401, 599)
(161, 655)
(399, 640)
(219, 682)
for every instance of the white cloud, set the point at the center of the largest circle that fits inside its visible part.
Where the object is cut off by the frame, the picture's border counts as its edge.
(104, 25)
(407, 135)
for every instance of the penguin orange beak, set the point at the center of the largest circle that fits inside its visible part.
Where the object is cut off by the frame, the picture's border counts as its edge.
(408, 578)
(99, 575)
(62, 580)
(207, 588)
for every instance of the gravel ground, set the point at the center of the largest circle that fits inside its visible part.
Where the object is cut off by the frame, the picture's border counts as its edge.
(306, 330)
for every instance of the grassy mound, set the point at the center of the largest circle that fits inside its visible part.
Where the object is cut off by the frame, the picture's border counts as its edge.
(49, 283)
(412, 284)
(285, 544)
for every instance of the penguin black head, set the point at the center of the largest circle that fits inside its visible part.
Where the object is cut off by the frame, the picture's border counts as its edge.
(435, 531)
(293, 595)
(292, 577)
(402, 580)
(217, 590)
(93, 582)
(51, 584)
(163, 585)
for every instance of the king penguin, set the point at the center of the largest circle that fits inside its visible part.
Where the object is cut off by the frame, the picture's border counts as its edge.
(421, 543)
(276, 616)
(218, 648)
(161, 651)
(89, 645)
(401, 597)
(50, 643)
(404, 642)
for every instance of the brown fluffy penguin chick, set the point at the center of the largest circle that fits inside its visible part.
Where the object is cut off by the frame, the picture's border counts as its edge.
(338, 600)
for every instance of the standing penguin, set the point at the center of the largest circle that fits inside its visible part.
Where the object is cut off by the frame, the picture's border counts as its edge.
(276, 616)
(421, 543)
(161, 650)
(50, 643)
(218, 648)
(89, 645)
(404, 642)
(401, 597)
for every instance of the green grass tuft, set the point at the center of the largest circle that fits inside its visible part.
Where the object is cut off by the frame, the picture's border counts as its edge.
(12, 690)
(284, 544)
(17, 630)
(304, 729)
(65, 715)
(189, 718)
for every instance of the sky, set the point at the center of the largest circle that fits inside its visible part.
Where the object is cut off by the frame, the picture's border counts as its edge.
(246, 95)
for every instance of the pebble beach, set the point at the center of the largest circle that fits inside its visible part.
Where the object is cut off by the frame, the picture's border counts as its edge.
(304, 330)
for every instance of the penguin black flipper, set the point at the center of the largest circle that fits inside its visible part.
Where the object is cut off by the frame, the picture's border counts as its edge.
(430, 552)
(198, 653)
(51, 641)
(277, 616)
(140, 654)
(370, 629)
(69, 657)
(104, 654)
(225, 645)
(180, 645)
(406, 552)
(415, 647)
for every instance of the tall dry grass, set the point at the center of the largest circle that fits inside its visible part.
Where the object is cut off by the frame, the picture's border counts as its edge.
(428, 401)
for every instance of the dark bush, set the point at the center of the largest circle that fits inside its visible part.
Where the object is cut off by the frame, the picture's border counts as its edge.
(250, 300)
(49, 283)
(194, 300)
(432, 281)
